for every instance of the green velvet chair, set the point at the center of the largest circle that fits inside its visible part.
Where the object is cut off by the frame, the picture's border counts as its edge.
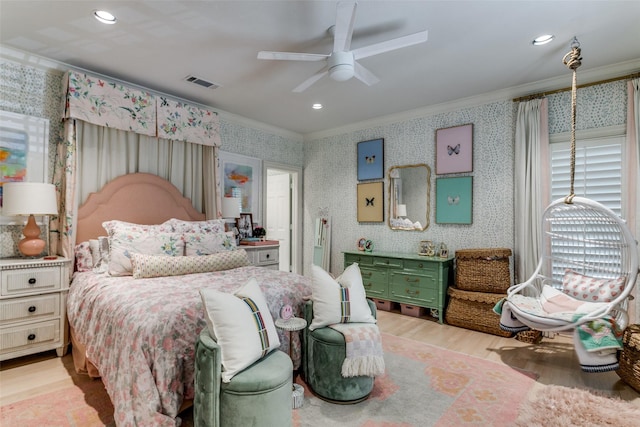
(258, 396)
(324, 350)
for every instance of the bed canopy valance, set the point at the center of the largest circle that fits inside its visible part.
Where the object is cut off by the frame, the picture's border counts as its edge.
(115, 105)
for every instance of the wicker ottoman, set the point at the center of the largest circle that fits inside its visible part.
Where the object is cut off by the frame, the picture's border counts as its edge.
(629, 369)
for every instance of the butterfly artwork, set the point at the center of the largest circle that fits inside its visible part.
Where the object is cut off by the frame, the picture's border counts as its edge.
(370, 159)
(369, 201)
(453, 150)
(453, 200)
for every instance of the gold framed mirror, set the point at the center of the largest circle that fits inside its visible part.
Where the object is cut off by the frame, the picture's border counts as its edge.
(409, 197)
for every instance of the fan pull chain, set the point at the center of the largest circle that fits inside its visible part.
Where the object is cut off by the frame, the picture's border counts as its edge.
(573, 61)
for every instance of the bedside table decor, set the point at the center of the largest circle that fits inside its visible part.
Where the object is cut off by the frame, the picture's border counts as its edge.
(30, 198)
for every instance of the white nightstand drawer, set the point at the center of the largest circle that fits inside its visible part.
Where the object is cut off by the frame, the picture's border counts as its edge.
(19, 281)
(268, 256)
(18, 337)
(33, 308)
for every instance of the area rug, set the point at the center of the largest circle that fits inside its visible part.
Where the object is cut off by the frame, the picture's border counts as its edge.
(423, 386)
(570, 407)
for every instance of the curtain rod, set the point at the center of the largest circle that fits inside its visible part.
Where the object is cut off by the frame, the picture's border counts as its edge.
(567, 89)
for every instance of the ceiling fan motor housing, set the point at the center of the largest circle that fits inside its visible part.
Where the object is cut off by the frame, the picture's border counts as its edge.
(340, 66)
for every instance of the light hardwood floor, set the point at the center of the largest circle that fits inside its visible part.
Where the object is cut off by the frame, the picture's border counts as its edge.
(553, 360)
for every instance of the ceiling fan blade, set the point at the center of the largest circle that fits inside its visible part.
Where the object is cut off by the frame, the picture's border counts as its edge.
(290, 56)
(364, 75)
(343, 30)
(400, 42)
(311, 80)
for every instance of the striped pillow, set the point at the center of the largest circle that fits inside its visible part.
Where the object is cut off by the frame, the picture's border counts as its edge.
(242, 326)
(342, 300)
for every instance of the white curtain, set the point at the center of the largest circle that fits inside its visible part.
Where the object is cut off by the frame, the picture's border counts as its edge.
(531, 183)
(633, 166)
(106, 153)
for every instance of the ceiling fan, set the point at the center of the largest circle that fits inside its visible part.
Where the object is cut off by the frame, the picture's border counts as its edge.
(341, 64)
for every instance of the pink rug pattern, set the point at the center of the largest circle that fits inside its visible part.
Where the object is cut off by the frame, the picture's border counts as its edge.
(423, 386)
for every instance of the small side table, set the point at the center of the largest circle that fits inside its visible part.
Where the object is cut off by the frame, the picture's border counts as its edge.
(290, 325)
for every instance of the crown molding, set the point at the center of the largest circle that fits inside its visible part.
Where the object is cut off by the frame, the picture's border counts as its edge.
(507, 94)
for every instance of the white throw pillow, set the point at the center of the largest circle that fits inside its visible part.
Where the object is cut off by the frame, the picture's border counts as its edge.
(342, 300)
(241, 324)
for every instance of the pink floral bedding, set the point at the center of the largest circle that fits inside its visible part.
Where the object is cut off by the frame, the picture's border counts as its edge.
(141, 333)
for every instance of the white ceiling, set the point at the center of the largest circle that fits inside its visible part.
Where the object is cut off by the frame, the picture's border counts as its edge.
(474, 47)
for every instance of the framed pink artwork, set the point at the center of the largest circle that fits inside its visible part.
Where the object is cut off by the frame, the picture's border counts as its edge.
(454, 149)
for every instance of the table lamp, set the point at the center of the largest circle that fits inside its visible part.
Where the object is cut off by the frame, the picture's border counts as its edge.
(231, 209)
(29, 198)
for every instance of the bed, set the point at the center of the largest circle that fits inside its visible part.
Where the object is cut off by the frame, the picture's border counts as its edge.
(139, 334)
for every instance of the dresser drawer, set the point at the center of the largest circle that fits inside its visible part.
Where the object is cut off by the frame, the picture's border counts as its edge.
(21, 281)
(31, 308)
(416, 288)
(268, 256)
(388, 262)
(422, 266)
(374, 282)
(360, 259)
(23, 336)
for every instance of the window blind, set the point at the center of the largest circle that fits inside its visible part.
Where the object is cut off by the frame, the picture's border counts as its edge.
(598, 176)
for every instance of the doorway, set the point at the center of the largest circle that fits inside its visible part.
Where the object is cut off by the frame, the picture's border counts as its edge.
(283, 212)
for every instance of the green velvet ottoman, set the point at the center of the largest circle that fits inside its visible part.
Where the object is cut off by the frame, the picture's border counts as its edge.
(324, 350)
(258, 396)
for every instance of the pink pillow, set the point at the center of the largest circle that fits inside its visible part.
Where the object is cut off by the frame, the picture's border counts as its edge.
(591, 289)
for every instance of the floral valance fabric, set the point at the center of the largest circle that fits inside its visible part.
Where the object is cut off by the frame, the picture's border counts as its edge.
(114, 105)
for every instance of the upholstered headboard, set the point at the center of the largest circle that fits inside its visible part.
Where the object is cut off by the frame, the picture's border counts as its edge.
(141, 198)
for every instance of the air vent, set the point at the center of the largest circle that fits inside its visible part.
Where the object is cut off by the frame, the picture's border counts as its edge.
(201, 82)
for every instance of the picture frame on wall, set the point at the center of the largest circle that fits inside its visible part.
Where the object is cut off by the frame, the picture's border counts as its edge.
(370, 202)
(454, 200)
(454, 149)
(371, 159)
(24, 145)
(241, 177)
(244, 224)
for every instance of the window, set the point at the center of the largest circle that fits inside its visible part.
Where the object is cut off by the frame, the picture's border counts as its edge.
(598, 176)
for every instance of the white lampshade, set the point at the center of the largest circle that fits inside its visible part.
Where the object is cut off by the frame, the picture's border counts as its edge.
(29, 198)
(230, 207)
(401, 210)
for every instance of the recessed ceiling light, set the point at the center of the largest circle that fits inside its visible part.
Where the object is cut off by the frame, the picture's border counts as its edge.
(317, 106)
(544, 39)
(104, 17)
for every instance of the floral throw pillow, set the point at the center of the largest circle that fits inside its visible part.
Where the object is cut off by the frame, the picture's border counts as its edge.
(84, 261)
(591, 289)
(208, 226)
(123, 243)
(208, 243)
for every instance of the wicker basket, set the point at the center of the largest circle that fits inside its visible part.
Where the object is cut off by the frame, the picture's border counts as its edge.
(474, 310)
(483, 270)
(629, 369)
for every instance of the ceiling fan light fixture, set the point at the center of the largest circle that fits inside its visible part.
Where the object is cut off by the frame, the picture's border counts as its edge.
(341, 66)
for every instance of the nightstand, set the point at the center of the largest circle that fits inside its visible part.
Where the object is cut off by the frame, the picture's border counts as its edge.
(265, 255)
(33, 306)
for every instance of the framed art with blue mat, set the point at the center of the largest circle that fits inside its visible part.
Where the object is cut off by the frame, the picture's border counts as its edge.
(371, 159)
(454, 200)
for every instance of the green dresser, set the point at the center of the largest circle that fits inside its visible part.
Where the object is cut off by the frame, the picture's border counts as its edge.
(406, 278)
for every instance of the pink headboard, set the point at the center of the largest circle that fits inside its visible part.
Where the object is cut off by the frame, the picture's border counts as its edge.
(141, 198)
